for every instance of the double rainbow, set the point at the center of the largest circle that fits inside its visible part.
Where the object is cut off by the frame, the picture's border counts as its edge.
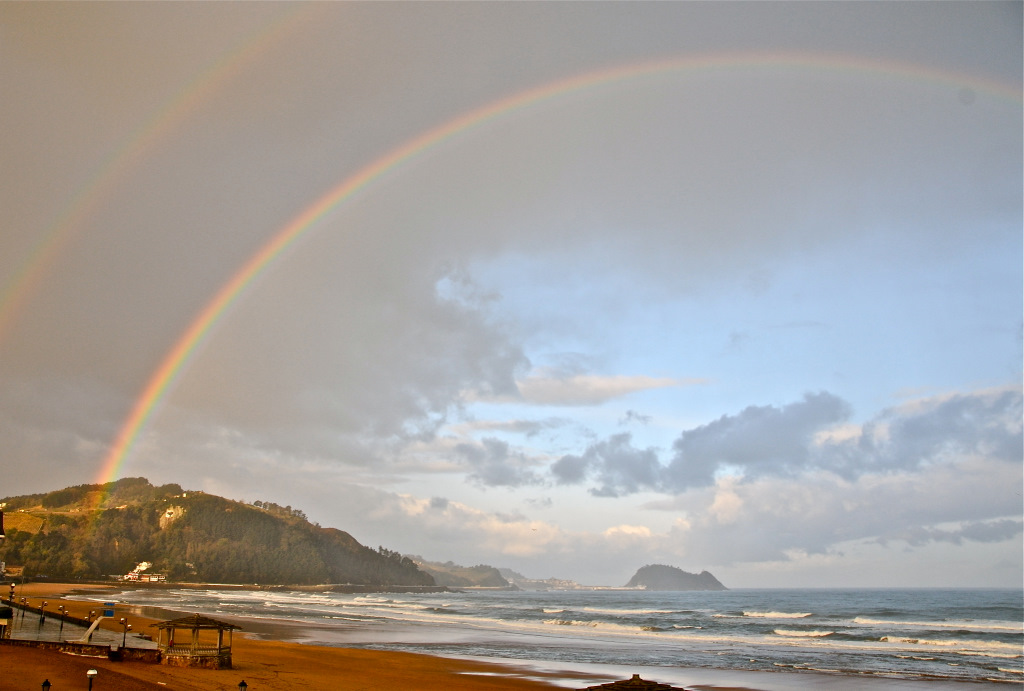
(177, 359)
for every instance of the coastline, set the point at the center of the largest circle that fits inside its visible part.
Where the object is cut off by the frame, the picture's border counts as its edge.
(284, 654)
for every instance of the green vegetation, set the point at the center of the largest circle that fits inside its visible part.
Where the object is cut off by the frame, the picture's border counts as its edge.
(95, 531)
(453, 575)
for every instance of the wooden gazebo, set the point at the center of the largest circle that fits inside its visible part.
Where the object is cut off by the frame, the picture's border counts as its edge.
(195, 641)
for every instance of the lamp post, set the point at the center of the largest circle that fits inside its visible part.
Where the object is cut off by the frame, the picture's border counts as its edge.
(242, 686)
(46, 685)
(12, 593)
(91, 674)
(63, 613)
(127, 627)
(24, 606)
(42, 612)
(92, 613)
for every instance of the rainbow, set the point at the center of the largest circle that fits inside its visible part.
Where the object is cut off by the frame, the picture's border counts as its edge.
(178, 357)
(132, 151)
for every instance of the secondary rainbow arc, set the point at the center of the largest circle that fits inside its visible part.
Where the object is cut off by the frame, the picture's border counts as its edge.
(114, 169)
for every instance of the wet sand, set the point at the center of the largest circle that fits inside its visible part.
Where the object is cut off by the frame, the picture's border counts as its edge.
(267, 656)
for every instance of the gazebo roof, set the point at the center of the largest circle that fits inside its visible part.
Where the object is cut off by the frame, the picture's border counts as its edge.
(195, 621)
(635, 683)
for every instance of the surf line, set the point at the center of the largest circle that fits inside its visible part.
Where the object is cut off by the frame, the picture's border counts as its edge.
(177, 359)
(132, 151)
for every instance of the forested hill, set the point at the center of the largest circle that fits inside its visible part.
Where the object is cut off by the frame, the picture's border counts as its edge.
(96, 531)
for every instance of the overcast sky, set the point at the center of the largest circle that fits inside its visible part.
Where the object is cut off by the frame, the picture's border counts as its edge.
(742, 291)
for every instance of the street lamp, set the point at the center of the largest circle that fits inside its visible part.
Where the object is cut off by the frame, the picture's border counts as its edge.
(127, 628)
(91, 674)
(92, 613)
(242, 686)
(12, 593)
(63, 613)
(46, 685)
(24, 606)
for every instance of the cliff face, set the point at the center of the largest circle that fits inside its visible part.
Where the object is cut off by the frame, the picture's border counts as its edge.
(661, 577)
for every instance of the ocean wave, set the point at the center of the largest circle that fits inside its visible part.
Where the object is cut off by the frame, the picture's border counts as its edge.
(777, 615)
(571, 622)
(606, 627)
(965, 624)
(623, 611)
(802, 634)
(977, 645)
(552, 611)
(978, 653)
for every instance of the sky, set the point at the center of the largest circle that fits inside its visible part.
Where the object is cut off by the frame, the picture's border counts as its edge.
(568, 288)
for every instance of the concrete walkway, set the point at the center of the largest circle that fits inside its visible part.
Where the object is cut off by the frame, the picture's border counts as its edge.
(28, 627)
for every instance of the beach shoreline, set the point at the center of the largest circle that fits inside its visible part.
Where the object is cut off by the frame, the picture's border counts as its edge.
(285, 654)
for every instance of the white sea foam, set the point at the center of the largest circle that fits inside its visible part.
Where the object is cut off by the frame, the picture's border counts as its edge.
(964, 624)
(975, 646)
(777, 615)
(623, 611)
(803, 634)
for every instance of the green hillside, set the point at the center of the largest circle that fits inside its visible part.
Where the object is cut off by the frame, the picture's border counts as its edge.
(97, 531)
(455, 576)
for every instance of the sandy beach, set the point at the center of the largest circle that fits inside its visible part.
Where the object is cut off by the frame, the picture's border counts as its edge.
(264, 655)
(261, 663)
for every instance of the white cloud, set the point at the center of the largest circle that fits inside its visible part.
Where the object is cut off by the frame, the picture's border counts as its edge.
(591, 389)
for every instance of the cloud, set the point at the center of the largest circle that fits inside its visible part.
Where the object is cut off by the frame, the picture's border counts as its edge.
(618, 467)
(808, 436)
(977, 531)
(633, 416)
(492, 464)
(759, 440)
(927, 431)
(529, 428)
(591, 389)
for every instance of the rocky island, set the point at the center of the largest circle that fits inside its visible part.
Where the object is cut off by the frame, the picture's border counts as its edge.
(662, 577)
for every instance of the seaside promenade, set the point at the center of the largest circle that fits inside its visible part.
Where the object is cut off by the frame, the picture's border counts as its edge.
(51, 627)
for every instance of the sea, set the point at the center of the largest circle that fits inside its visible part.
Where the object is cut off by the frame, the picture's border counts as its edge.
(970, 635)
